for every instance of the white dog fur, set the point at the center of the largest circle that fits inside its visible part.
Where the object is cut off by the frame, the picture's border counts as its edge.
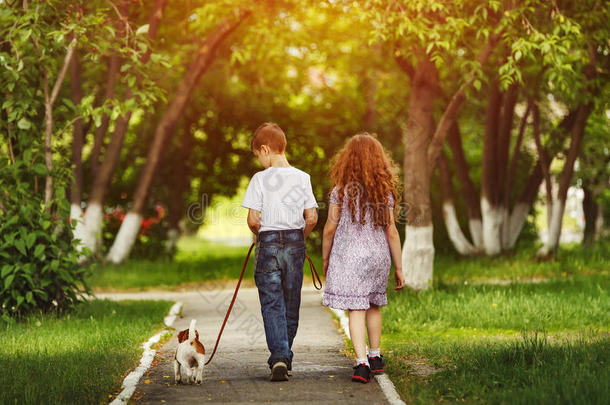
(190, 355)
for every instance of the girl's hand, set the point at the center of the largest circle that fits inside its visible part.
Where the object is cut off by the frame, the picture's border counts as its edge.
(325, 266)
(399, 280)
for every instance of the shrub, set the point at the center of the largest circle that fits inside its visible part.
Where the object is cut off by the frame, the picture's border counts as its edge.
(38, 259)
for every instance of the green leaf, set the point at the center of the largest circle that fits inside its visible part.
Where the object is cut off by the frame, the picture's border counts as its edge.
(20, 245)
(142, 30)
(39, 250)
(30, 239)
(29, 297)
(518, 55)
(8, 281)
(477, 84)
(5, 270)
(23, 123)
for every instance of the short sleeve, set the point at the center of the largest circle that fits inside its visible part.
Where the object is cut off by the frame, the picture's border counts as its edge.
(334, 196)
(310, 199)
(390, 201)
(253, 199)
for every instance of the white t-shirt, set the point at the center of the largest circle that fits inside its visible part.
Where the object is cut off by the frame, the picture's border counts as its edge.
(280, 194)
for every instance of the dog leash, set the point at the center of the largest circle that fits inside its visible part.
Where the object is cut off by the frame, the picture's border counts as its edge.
(314, 276)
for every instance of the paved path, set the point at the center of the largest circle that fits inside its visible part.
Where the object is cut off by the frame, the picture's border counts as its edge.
(239, 372)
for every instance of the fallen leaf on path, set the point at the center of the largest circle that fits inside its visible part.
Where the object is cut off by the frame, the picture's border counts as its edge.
(146, 381)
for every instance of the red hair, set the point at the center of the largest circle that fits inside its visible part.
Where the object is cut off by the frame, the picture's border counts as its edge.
(369, 174)
(269, 134)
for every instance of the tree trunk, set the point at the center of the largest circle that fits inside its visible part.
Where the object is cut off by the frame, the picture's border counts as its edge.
(550, 247)
(545, 162)
(490, 209)
(469, 192)
(105, 172)
(502, 154)
(418, 250)
(524, 203)
(460, 242)
(591, 211)
(48, 109)
(129, 228)
(179, 180)
(78, 135)
(451, 111)
(114, 65)
(507, 228)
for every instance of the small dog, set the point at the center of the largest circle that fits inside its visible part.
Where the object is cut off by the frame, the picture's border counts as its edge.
(190, 353)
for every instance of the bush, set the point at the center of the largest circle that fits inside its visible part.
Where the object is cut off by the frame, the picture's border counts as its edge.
(38, 258)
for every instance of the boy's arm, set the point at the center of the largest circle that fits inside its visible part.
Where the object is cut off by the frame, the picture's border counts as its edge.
(311, 219)
(254, 221)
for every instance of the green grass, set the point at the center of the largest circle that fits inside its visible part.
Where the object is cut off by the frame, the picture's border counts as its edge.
(79, 358)
(522, 343)
(571, 260)
(197, 261)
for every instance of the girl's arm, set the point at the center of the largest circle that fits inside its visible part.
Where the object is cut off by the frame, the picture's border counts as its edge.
(328, 236)
(391, 234)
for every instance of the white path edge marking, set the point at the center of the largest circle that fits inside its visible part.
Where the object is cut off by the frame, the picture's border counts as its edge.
(386, 385)
(131, 381)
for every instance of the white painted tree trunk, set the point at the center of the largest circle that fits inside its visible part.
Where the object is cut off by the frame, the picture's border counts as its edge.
(492, 227)
(92, 232)
(517, 219)
(476, 231)
(459, 240)
(552, 239)
(172, 239)
(418, 257)
(125, 239)
(76, 218)
(505, 237)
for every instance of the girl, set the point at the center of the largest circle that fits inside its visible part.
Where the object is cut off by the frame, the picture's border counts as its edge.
(359, 238)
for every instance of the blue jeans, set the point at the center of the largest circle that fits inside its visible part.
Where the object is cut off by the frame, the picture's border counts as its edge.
(279, 277)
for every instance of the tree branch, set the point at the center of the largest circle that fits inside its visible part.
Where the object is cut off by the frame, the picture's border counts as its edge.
(451, 112)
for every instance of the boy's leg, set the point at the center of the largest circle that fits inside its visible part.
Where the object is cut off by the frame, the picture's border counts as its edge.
(268, 280)
(293, 282)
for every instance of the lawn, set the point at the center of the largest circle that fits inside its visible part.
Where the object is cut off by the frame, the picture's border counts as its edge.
(78, 358)
(197, 261)
(471, 339)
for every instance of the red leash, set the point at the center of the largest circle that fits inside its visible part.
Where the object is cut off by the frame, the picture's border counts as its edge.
(241, 276)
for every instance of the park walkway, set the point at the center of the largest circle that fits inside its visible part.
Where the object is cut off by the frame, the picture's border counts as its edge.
(239, 373)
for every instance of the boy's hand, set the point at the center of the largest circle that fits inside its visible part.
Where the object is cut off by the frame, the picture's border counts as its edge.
(325, 266)
(399, 280)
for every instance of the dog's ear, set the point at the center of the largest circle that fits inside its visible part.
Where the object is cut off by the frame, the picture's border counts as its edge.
(196, 334)
(183, 335)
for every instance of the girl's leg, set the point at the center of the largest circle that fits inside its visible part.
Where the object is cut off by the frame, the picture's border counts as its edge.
(357, 331)
(373, 325)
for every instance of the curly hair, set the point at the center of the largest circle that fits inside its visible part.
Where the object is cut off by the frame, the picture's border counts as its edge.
(368, 173)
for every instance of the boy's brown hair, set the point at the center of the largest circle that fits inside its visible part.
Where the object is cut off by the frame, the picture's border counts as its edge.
(269, 134)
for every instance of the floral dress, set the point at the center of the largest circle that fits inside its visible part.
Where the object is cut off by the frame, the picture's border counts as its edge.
(359, 261)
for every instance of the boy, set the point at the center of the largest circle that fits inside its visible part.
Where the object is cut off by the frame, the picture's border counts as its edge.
(282, 212)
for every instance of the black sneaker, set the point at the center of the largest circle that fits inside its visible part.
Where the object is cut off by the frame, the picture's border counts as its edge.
(289, 370)
(362, 373)
(279, 371)
(377, 365)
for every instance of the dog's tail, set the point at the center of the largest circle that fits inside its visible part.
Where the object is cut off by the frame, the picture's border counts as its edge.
(192, 330)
